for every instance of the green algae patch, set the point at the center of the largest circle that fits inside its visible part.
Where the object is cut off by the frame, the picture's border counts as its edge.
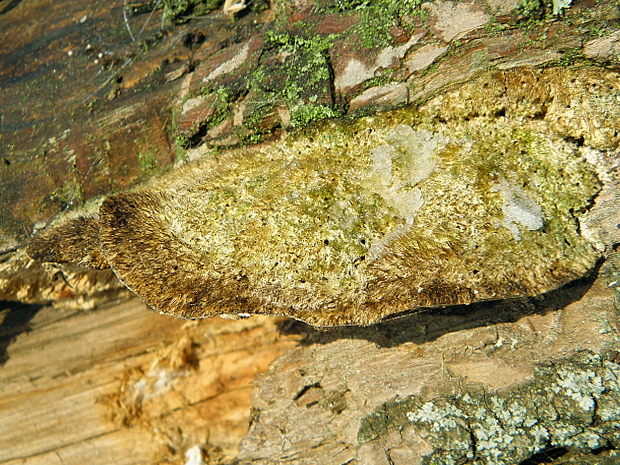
(572, 404)
(350, 223)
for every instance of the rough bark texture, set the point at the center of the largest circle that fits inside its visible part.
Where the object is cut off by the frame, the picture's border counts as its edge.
(88, 111)
(494, 384)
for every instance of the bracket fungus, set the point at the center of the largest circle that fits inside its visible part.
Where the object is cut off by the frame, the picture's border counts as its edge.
(348, 224)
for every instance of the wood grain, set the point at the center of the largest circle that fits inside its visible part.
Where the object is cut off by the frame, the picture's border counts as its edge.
(125, 385)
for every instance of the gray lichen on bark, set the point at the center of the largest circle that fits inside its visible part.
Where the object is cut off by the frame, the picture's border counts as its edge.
(573, 404)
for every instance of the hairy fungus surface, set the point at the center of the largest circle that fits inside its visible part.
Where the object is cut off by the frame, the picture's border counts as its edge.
(350, 223)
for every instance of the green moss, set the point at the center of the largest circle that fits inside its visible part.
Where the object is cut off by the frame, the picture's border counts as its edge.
(531, 8)
(221, 102)
(377, 17)
(181, 11)
(543, 9)
(294, 71)
(307, 114)
(69, 194)
(149, 162)
(305, 69)
(180, 141)
(382, 78)
(570, 58)
(222, 105)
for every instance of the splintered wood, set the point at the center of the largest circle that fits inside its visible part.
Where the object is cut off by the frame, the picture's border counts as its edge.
(125, 385)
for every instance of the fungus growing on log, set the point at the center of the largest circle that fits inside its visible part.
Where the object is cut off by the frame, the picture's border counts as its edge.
(349, 223)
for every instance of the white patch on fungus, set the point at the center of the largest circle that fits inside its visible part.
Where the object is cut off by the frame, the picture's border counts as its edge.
(194, 456)
(519, 209)
(396, 170)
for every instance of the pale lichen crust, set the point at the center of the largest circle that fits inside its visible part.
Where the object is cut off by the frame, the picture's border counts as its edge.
(351, 223)
(573, 404)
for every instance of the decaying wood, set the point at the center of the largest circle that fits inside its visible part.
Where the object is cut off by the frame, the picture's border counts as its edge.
(122, 384)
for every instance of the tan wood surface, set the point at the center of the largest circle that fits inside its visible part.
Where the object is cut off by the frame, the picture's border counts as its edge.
(122, 384)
